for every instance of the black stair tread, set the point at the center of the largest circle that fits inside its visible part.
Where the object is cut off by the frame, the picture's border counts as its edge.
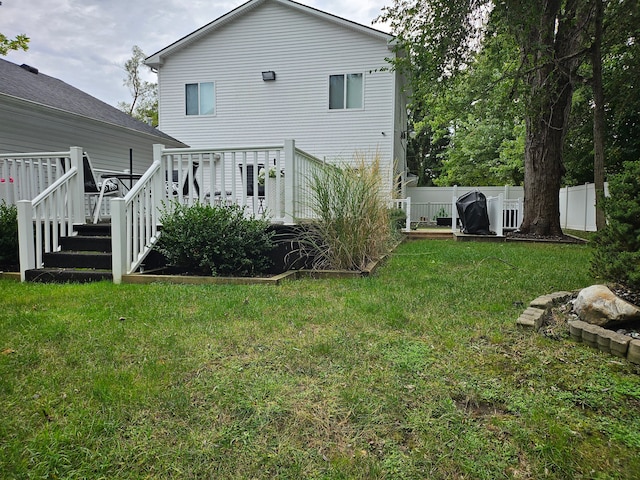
(80, 252)
(64, 275)
(90, 237)
(77, 259)
(91, 230)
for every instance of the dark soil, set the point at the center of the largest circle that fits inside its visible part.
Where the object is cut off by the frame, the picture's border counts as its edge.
(543, 238)
(631, 296)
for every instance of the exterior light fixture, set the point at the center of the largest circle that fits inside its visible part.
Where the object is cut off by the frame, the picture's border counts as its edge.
(406, 134)
(269, 76)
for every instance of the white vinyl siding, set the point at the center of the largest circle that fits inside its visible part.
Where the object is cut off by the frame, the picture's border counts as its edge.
(27, 129)
(301, 49)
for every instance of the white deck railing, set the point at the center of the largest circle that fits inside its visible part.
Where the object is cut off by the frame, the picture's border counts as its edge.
(52, 213)
(429, 212)
(403, 204)
(23, 176)
(268, 181)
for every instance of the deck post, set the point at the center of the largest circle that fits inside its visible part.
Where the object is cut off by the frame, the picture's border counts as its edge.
(407, 224)
(159, 190)
(454, 209)
(76, 186)
(25, 237)
(500, 216)
(290, 201)
(118, 238)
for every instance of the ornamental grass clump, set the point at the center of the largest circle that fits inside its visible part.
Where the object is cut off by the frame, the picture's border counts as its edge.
(215, 240)
(351, 226)
(616, 255)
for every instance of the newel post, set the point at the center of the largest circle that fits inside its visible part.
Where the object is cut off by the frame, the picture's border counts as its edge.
(25, 237)
(407, 225)
(158, 184)
(118, 238)
(76, 186)
(290, 174)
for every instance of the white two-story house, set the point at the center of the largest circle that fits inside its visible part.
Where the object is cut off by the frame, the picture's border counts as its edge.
(275, 69)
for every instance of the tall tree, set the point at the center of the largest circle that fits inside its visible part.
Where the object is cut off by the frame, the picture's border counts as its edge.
(144, 94)
(598, 115)
(440, 36)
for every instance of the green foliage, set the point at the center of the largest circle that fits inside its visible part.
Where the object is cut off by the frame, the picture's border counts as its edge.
(215, 240)
(474, 125)
(351, 226)
(144, 95)
(397, 219)
(8, 235)
(21, 42)
(621, 70)
(617, 247)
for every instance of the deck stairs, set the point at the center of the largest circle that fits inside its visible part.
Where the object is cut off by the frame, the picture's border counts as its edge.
(84, 257)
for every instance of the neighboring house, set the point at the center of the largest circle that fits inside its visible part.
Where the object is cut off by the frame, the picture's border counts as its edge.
(39, 113)
(275, 69)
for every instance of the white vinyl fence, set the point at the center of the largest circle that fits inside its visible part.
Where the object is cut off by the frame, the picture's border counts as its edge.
(577, 205)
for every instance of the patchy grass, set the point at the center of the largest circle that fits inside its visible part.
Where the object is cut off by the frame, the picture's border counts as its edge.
(417, 372)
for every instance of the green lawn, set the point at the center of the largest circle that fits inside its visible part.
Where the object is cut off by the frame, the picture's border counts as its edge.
(417, 372)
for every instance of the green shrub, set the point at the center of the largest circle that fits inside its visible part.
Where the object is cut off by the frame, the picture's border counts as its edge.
(214, 240)
(398, 219)
(352, 225)
(8, 235)
(616, 255)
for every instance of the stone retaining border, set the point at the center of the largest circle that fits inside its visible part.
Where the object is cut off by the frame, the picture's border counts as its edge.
(606, 341)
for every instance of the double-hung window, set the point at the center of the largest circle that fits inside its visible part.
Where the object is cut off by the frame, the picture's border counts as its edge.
(200, 98)
(346, 91)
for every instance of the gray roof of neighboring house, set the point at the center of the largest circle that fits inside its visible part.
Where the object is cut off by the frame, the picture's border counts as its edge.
(28, 84)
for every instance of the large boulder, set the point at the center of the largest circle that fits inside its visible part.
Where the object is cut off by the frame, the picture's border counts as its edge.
(600, 306)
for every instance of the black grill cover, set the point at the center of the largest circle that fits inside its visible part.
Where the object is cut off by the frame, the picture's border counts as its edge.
(472, 211)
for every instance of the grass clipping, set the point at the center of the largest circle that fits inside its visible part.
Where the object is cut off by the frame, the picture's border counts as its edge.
(351, 226)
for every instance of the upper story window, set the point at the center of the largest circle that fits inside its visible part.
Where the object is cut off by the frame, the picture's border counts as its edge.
(345, 91)
(199, 98)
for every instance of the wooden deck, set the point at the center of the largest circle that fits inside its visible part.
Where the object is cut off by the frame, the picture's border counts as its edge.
(431, 233)
(445, 233)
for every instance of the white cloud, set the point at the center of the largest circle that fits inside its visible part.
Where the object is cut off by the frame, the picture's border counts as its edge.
(86, 42)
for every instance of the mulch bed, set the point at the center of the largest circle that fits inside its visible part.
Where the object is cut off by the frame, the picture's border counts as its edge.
(631, 296)
(530, 237)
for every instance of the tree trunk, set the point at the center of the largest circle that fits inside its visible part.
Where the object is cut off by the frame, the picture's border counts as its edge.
(551, 52)
(598, 117)
(543, 169)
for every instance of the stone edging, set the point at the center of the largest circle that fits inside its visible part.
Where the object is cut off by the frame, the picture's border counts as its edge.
(606, 341)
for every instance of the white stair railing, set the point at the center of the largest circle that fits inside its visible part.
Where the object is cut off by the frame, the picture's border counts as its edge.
(52, 213)
(135, 219)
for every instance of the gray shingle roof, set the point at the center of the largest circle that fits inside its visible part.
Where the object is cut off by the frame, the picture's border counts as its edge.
(42, 89)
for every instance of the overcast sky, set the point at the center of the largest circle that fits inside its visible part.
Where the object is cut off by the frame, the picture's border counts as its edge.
(86, 42)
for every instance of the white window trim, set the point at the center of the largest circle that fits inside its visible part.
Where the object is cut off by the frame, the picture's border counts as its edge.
(215, 98)
(344, 109)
